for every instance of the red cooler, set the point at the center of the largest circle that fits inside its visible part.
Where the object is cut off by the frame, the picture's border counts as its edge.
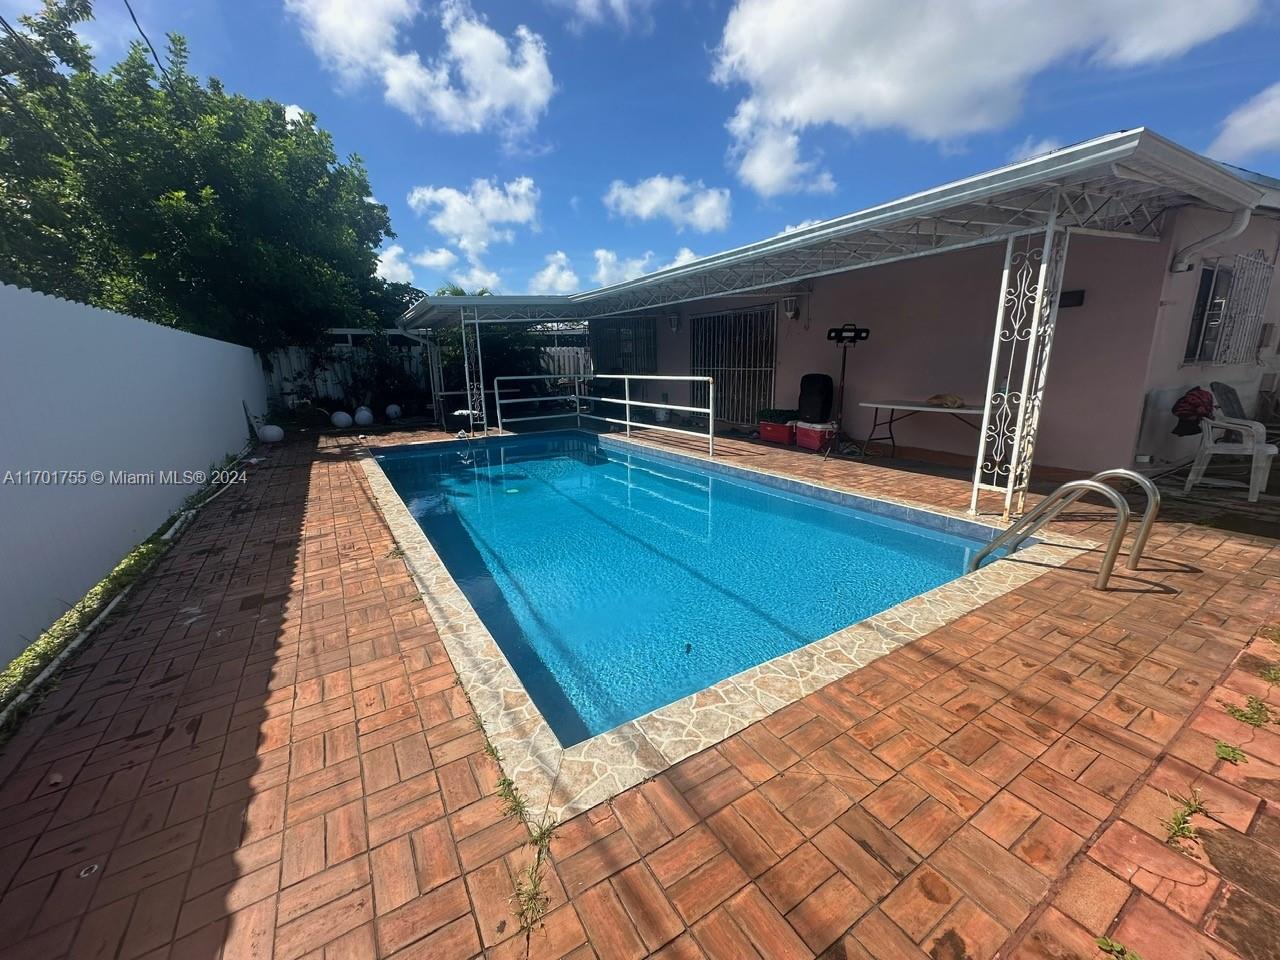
(778, 432)
(815, 436)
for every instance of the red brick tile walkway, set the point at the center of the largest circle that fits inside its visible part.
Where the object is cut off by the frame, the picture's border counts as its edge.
(266, 754)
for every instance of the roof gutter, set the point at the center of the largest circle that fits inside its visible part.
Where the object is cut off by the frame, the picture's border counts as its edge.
(1184, 259)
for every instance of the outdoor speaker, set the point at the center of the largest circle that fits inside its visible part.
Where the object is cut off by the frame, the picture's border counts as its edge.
(815, 398)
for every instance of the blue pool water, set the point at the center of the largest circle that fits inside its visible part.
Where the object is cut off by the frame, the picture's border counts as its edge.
(616, 582)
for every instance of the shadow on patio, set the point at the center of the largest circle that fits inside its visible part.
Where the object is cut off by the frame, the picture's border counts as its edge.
(267, 754)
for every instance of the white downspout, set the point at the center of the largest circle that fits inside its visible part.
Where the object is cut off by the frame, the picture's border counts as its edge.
(1183, 260)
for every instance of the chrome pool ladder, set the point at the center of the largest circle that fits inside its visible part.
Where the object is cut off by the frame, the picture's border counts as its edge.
(1064, 496)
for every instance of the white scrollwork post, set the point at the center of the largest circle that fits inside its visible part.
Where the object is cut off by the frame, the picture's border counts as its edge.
(1025, 319)
(473, 372)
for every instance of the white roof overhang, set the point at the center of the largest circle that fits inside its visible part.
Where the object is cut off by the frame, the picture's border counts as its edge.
(1122, 183)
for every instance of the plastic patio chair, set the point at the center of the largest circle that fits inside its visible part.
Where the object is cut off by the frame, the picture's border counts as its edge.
(1227, 400)
(1231, 436)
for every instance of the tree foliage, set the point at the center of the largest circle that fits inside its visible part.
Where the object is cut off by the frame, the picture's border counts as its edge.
(155, 194)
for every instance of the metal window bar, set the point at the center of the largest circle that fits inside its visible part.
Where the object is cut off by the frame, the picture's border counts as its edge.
(1242, 314)
(736, 348)
(626, 403)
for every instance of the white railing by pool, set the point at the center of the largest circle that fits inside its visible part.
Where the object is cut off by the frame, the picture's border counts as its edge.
(577, 396)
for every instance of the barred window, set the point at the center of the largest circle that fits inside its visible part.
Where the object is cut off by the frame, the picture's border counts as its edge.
(1226, 322)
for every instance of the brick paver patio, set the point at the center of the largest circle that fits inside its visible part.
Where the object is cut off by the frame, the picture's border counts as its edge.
(266, 754)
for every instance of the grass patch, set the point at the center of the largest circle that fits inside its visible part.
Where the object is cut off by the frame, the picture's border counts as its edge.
(1229, 752)
(1113, 948)
(1271, 674)
(27, 665)
(1255, 712)
(1271, 633)
(1179, 826)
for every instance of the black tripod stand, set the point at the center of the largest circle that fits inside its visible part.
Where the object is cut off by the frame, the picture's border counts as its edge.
(847, 336)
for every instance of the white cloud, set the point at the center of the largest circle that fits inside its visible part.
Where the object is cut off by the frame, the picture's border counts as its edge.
(683, 255)
(478, 217)
(476, 276)
(440, 259)
(293, 113)
(557, 277)
(610, 268)
(1250, 129)
(1032, 146)
(392, 265)
(479, 80)
(932, 69)
(472, 220)
(627, 13)
(685, 204)
(802, 225)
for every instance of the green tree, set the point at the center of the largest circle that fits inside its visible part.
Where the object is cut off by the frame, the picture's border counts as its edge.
(456, 290)
(150, 192)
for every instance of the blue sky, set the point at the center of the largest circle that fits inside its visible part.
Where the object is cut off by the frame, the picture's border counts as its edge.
(552, 145)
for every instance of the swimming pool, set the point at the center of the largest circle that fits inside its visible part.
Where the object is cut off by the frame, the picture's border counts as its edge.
(616, 580)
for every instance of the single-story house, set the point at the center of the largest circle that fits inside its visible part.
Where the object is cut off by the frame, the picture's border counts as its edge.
(1072, 297)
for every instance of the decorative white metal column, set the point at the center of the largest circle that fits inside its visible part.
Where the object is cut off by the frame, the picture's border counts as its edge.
(435, 374)
(1025, 319)
(473, 373)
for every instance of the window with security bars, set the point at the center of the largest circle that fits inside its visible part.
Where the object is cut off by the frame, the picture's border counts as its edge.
(737, 349)
(624, 345)
(1226, 321)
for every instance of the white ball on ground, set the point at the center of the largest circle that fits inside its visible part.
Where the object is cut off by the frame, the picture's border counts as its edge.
(270, 433)
(393, 411)
(341, 419)
(364, 416)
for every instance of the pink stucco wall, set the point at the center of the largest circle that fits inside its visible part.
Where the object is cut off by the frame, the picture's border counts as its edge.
(1167, 377)
(932, 321)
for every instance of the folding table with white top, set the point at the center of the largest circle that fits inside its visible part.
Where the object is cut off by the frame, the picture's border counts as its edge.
(899, 410)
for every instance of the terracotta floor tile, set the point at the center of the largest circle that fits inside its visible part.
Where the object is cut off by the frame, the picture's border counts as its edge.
(823, 916)
(919, 902)
(296, 769)
(967, 931)
(1092, 896)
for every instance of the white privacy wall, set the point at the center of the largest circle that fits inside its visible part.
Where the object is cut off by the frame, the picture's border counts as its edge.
(87, 389)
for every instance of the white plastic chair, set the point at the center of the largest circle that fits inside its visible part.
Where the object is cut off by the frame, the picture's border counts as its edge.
(1252, 443)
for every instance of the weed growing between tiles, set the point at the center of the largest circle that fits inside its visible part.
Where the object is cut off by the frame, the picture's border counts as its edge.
(1271, 674)
(1179, 826)
(530, 895)
(1113, 948)
(1255, 712)
(1229, 752)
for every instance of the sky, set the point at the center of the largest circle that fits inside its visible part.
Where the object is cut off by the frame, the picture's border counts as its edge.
(550, 146)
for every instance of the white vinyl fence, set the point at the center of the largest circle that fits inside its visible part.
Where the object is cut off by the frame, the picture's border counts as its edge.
(121, 399)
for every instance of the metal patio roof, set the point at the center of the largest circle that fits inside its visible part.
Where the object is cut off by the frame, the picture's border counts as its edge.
(1121, 183)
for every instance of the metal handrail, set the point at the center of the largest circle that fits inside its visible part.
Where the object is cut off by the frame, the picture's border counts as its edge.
(1148, 515)
(1050, 507)
(1144, 528)
(625, 402)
